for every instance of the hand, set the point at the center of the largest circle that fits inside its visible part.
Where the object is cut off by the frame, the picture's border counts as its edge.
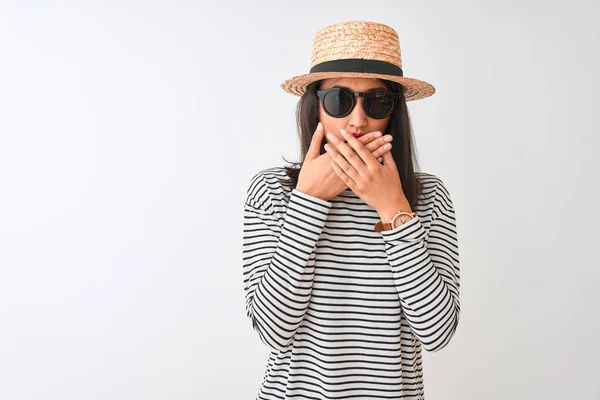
(317, 178)
(377, 185)
(372, 141)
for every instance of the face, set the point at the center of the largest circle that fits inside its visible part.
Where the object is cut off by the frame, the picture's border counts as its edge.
(357, 121)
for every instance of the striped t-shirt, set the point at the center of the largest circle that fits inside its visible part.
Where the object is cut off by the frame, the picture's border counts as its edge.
(346, 310)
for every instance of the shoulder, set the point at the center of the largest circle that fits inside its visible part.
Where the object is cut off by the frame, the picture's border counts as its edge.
(268, 179)
(267, 186)
(434, 191)
(429, 180)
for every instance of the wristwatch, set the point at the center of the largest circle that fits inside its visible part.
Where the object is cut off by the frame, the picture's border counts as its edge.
(400, 218)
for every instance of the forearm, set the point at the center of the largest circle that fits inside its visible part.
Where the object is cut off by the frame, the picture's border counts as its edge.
(280, 273)
(426, 283)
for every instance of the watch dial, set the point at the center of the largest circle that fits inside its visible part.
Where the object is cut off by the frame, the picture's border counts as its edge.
(400, 220)
(405, 218)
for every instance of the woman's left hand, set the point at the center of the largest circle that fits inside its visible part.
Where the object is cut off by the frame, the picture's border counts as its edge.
(377, 185)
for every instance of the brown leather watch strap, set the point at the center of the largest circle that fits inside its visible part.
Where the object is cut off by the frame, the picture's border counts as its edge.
(386, 226)
(382, 226)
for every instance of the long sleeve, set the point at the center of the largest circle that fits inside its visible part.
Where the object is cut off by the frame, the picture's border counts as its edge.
(425, 266)
(278, 260)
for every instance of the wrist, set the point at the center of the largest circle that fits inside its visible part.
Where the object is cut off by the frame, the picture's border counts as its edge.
(386, 213)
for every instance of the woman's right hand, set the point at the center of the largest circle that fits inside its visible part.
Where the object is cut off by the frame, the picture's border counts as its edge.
(317, 178)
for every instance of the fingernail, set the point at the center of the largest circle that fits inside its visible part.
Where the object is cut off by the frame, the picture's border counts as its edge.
(343, 131)
(329, 135)
(319, 126)
(377, 134)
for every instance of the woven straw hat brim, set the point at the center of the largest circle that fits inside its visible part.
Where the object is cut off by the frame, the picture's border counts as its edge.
(414, 89)
(358, 49)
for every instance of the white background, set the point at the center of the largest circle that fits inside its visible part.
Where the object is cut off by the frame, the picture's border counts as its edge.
(129, 131)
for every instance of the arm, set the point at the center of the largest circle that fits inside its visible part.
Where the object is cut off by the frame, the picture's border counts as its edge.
(425, 267)
(278, 261)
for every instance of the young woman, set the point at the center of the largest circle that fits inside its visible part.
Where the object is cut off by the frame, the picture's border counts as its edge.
(350, 260)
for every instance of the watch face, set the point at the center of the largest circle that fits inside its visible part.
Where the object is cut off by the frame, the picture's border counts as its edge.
(401, 219)
(405, 218)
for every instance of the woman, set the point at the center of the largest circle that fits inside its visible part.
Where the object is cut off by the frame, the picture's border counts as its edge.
(350, 262)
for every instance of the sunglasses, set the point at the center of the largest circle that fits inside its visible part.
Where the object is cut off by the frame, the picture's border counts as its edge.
(338, 102)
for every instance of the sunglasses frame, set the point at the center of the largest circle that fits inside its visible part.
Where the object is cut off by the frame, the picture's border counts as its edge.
(323, 92)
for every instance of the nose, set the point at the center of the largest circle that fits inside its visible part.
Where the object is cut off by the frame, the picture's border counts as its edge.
(358, 118)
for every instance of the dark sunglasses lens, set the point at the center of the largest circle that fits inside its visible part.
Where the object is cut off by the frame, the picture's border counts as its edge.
(378, 104)
(337, 102)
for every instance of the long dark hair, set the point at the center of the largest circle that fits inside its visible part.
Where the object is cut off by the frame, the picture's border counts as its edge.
(403, 148)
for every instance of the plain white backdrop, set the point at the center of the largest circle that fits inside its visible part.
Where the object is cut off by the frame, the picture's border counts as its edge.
(129, 132)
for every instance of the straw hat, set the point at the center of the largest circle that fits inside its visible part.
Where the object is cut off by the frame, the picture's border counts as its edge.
(358, 49)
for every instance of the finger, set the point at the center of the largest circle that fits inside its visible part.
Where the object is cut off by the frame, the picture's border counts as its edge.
(370, 137)
(366, 140)
(340, 159)
(352, 163)
(337, 135)
(340, 137)
(372, 141)
(382, 150)
(343, 176)
(315, 143)
(378, 143)
(362, 159)
(388, 161)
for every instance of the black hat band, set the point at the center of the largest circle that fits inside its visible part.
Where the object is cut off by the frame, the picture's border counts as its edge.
(358, 65)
